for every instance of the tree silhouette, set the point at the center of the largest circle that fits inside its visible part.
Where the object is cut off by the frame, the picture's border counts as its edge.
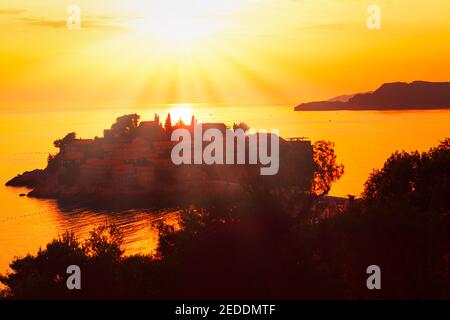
(62, 143)
(105, 241)
(52, 163)
(168, 124)
(180, 122)
(227, 248)
(125, 126)
(241, 125)
(328, 170)
(413, 177)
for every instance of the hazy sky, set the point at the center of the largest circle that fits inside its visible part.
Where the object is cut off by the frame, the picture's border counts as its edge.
(229, 51)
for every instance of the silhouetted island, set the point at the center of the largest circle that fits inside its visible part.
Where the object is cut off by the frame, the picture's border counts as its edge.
(390, 96)
(133, 160)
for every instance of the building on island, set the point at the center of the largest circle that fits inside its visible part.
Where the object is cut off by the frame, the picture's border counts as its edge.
(135, 157)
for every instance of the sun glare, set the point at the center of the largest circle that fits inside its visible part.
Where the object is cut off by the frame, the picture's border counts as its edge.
(181, 30)
(181, 112)
(182, 22)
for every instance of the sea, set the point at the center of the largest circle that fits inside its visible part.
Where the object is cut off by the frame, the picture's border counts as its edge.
(363, 141)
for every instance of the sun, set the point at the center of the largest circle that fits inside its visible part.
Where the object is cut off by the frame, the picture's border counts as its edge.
(181, 112)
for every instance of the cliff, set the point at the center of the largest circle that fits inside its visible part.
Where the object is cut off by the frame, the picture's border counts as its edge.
(391, 96)
(29, 179)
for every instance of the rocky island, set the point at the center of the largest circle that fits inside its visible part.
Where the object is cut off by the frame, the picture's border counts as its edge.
(390, 96)
(133, 160)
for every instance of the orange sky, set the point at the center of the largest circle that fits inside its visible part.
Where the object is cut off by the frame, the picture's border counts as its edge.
(199, 51)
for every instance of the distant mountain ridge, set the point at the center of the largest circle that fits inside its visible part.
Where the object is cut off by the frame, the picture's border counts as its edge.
(390, 96)
(342, 98)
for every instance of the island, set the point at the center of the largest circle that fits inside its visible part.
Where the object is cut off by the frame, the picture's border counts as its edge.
(390, 96)
(132, 160)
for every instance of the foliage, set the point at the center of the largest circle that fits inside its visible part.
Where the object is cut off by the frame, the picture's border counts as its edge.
(255, 249)
(180, 123)
(61, 143)
(128, 121)
(328, 170)
(418, 178)
(241, 125)
(44, 276)
(125, 126)
(168, 125)
(105, 241)
(52, 163)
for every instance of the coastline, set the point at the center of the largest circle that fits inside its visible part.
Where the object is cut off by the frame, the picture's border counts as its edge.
(417, 95)
(350, 108)
(108, 197)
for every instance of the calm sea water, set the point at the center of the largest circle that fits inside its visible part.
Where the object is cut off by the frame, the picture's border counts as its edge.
(363, 139)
